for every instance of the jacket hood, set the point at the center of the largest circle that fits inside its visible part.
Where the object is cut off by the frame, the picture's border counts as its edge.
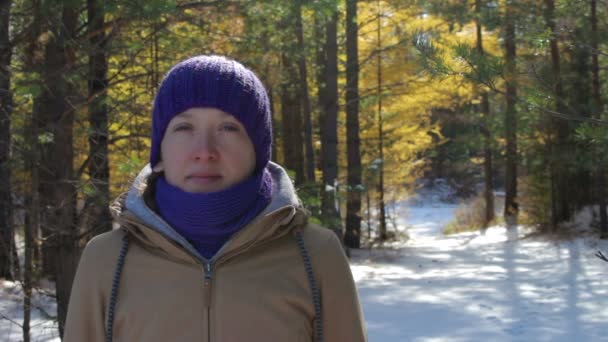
(133, 214)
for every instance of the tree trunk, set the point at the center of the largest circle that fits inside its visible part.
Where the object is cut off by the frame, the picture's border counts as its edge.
(31, 225)
(487, 141)
(291, 119)
(329, 140)
(275, 130)
(329, 125)
(352, 235)
(511, 205)
(100, 219)
(382, 230)
(33, 61)
(488, 168)
(560, 207)
(369, 215)
(597, 106)
(7, 238)
(304, 96)
(30, 156)
(55, 120)
(583, 191)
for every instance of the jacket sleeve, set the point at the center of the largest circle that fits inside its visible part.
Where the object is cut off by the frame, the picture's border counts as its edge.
(342, 315)
(86, 310)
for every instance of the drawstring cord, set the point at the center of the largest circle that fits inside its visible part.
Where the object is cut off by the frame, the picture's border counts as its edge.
(316, 293)
(115, 285)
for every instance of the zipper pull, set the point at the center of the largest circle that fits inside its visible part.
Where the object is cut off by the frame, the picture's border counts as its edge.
(207, 284)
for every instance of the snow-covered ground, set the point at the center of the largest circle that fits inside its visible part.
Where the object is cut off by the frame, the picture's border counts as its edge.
(497, 286)
(42, 326)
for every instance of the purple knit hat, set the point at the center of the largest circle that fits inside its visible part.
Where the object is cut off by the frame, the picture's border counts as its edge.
(217, 82)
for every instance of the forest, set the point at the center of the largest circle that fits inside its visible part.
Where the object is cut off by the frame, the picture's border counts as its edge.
(504, 100)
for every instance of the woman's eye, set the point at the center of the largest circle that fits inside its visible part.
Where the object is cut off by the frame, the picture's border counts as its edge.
(229, 127)
(182, 127)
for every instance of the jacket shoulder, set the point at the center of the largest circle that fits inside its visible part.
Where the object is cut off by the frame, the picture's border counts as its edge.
(91, 288)
(105, 244)
(101, 252)
(318, 238)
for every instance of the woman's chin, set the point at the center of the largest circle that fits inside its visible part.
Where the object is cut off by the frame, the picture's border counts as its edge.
(204, 184)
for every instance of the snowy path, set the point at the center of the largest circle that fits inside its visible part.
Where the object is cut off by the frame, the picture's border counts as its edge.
(472, 287)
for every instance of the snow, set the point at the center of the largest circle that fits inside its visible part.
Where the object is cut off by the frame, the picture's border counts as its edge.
(497, 286)
(42, 326)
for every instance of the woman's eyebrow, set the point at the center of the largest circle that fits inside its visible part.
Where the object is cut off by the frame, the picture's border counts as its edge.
(184, 115)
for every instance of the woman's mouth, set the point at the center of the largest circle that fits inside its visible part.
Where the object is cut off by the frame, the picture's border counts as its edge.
(204, 178)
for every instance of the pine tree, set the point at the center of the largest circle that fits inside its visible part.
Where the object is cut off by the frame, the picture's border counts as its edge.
(511, 206)
(7, 240)
(352, 235)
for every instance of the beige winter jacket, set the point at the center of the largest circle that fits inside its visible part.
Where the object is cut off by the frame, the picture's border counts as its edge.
(255, 289)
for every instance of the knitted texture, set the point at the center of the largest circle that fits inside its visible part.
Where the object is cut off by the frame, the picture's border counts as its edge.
(216, 82)
(208, 220)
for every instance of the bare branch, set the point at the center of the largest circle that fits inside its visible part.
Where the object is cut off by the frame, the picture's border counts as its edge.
(600, 255)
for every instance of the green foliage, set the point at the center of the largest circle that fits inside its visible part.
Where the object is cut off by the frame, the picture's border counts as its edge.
(535, 200)
(45, 138)
(429, 57)
(131, 166)
(480, 69)
(592, 135)
(309, 195)
(142, 9)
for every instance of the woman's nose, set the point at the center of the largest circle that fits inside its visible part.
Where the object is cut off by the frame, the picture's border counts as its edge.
(204, 147)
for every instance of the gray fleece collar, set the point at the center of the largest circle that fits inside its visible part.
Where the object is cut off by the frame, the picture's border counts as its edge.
(283, 194)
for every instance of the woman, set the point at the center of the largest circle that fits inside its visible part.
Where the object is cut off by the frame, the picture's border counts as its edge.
(213, 243)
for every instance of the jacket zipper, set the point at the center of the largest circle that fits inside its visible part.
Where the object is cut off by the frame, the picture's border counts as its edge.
(208, 266)
(207, 271)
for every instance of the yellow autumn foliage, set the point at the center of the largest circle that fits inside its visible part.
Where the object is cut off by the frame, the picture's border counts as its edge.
(408, 94)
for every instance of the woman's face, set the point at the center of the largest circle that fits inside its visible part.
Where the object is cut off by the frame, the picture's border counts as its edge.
(206, 150)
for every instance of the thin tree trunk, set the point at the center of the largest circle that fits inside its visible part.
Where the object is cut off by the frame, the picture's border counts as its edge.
(7, 238)
(488, 168)
(369, 215)
(27, 282)
(560, 208)
(275, 130)
(99, 171)
(328, 95)
(291, 108)
(292, 126)
(304, 96)
(154, 55)
(32, 205)
(34, 61)
(31, 225)
(45, 117)
(597, 104)
(511, 206)
(382, 232)
(487, 148)
(55, 120)
(352, 235)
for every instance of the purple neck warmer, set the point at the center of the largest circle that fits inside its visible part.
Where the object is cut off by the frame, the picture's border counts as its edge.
(208, 220)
